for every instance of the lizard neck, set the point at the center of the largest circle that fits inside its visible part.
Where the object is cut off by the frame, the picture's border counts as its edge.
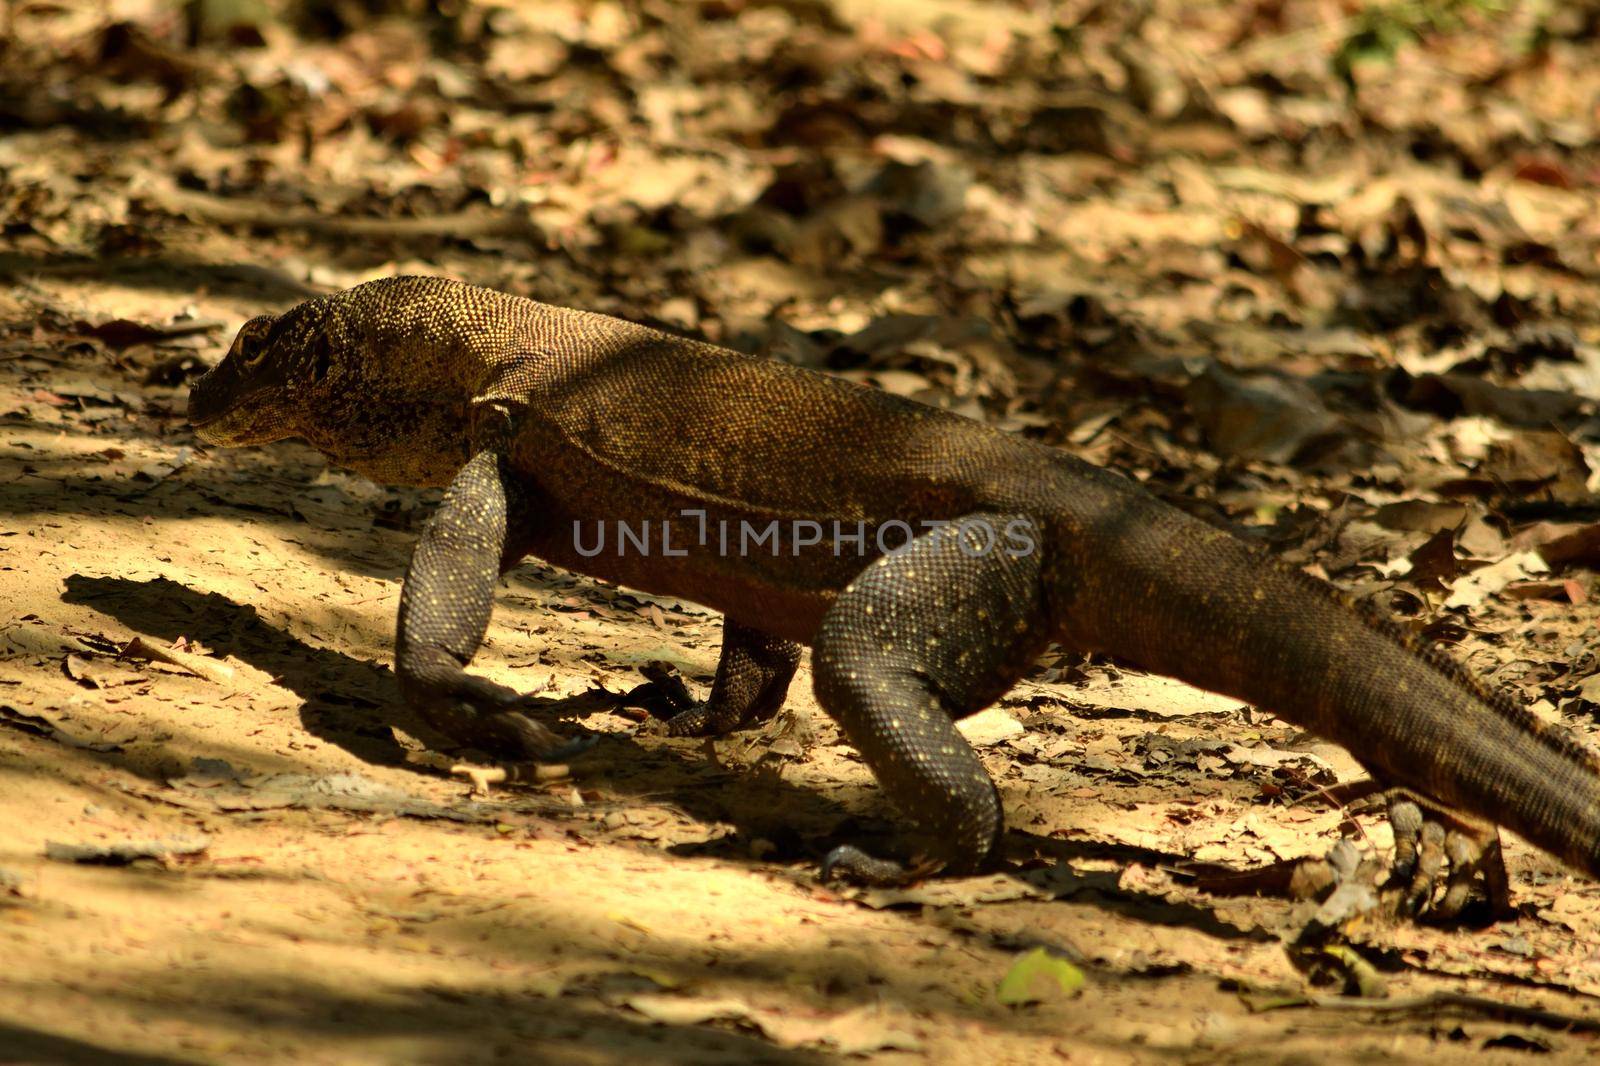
(400, 406)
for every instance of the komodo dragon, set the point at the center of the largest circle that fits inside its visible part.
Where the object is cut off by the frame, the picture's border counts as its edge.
(811, 511)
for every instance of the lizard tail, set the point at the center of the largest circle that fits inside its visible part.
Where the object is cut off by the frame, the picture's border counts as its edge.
(1198, 604)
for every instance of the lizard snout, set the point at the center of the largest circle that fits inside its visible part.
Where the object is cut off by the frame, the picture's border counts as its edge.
(242, 400)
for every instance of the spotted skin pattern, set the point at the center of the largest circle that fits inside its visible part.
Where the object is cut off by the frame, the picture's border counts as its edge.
(753, 675)
(897, 662)
(550, 426)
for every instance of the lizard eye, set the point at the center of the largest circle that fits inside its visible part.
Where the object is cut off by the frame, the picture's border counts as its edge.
(251, 344)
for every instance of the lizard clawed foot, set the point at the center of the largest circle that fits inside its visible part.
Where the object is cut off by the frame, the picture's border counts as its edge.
(665, 696)
(1439, 859)
(477, 713)
(856, 866)
(1431, 845)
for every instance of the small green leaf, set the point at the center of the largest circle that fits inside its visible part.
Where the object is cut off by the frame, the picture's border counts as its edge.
(1016, 987)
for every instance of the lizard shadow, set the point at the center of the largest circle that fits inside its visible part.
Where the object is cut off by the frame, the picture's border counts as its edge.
(342, 694)
(1103, 889)
(451, 1023)
(59, 486)
(39, 1045)
(351, 703)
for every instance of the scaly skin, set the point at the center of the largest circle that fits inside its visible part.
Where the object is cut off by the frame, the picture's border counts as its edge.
(546, 422)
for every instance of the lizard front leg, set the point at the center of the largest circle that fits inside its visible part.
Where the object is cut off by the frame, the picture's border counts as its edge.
(933, 632)
(444, 612)
(753, 675)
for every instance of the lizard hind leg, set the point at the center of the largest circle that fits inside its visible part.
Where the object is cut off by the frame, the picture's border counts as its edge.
(1431, 847)
(753, 675)
(932, 632)
(1442, 864)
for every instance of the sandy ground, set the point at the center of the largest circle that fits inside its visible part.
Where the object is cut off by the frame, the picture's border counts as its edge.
(315, 897)
(1332, 279)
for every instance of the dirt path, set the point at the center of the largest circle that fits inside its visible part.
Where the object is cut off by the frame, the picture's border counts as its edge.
(661, 902)
(1324, 277)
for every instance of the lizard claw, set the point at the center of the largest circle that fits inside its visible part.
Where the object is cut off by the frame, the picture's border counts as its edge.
(573, 746)
(666, 697)
(1434, 850)
(509, 734)
(1432, 846)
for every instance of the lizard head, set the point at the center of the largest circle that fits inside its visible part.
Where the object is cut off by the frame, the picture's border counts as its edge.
(378, 378)
(257, 393)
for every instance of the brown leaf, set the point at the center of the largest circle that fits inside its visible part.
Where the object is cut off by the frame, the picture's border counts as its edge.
(1568, 590)
(1435, 565)
(1576, 546)
(1261, 416)
(1526, 463)
(1451, 395)
(1423, 516)
(123, 332)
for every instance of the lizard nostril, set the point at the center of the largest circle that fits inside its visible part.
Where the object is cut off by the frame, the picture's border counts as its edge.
(197, 406)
